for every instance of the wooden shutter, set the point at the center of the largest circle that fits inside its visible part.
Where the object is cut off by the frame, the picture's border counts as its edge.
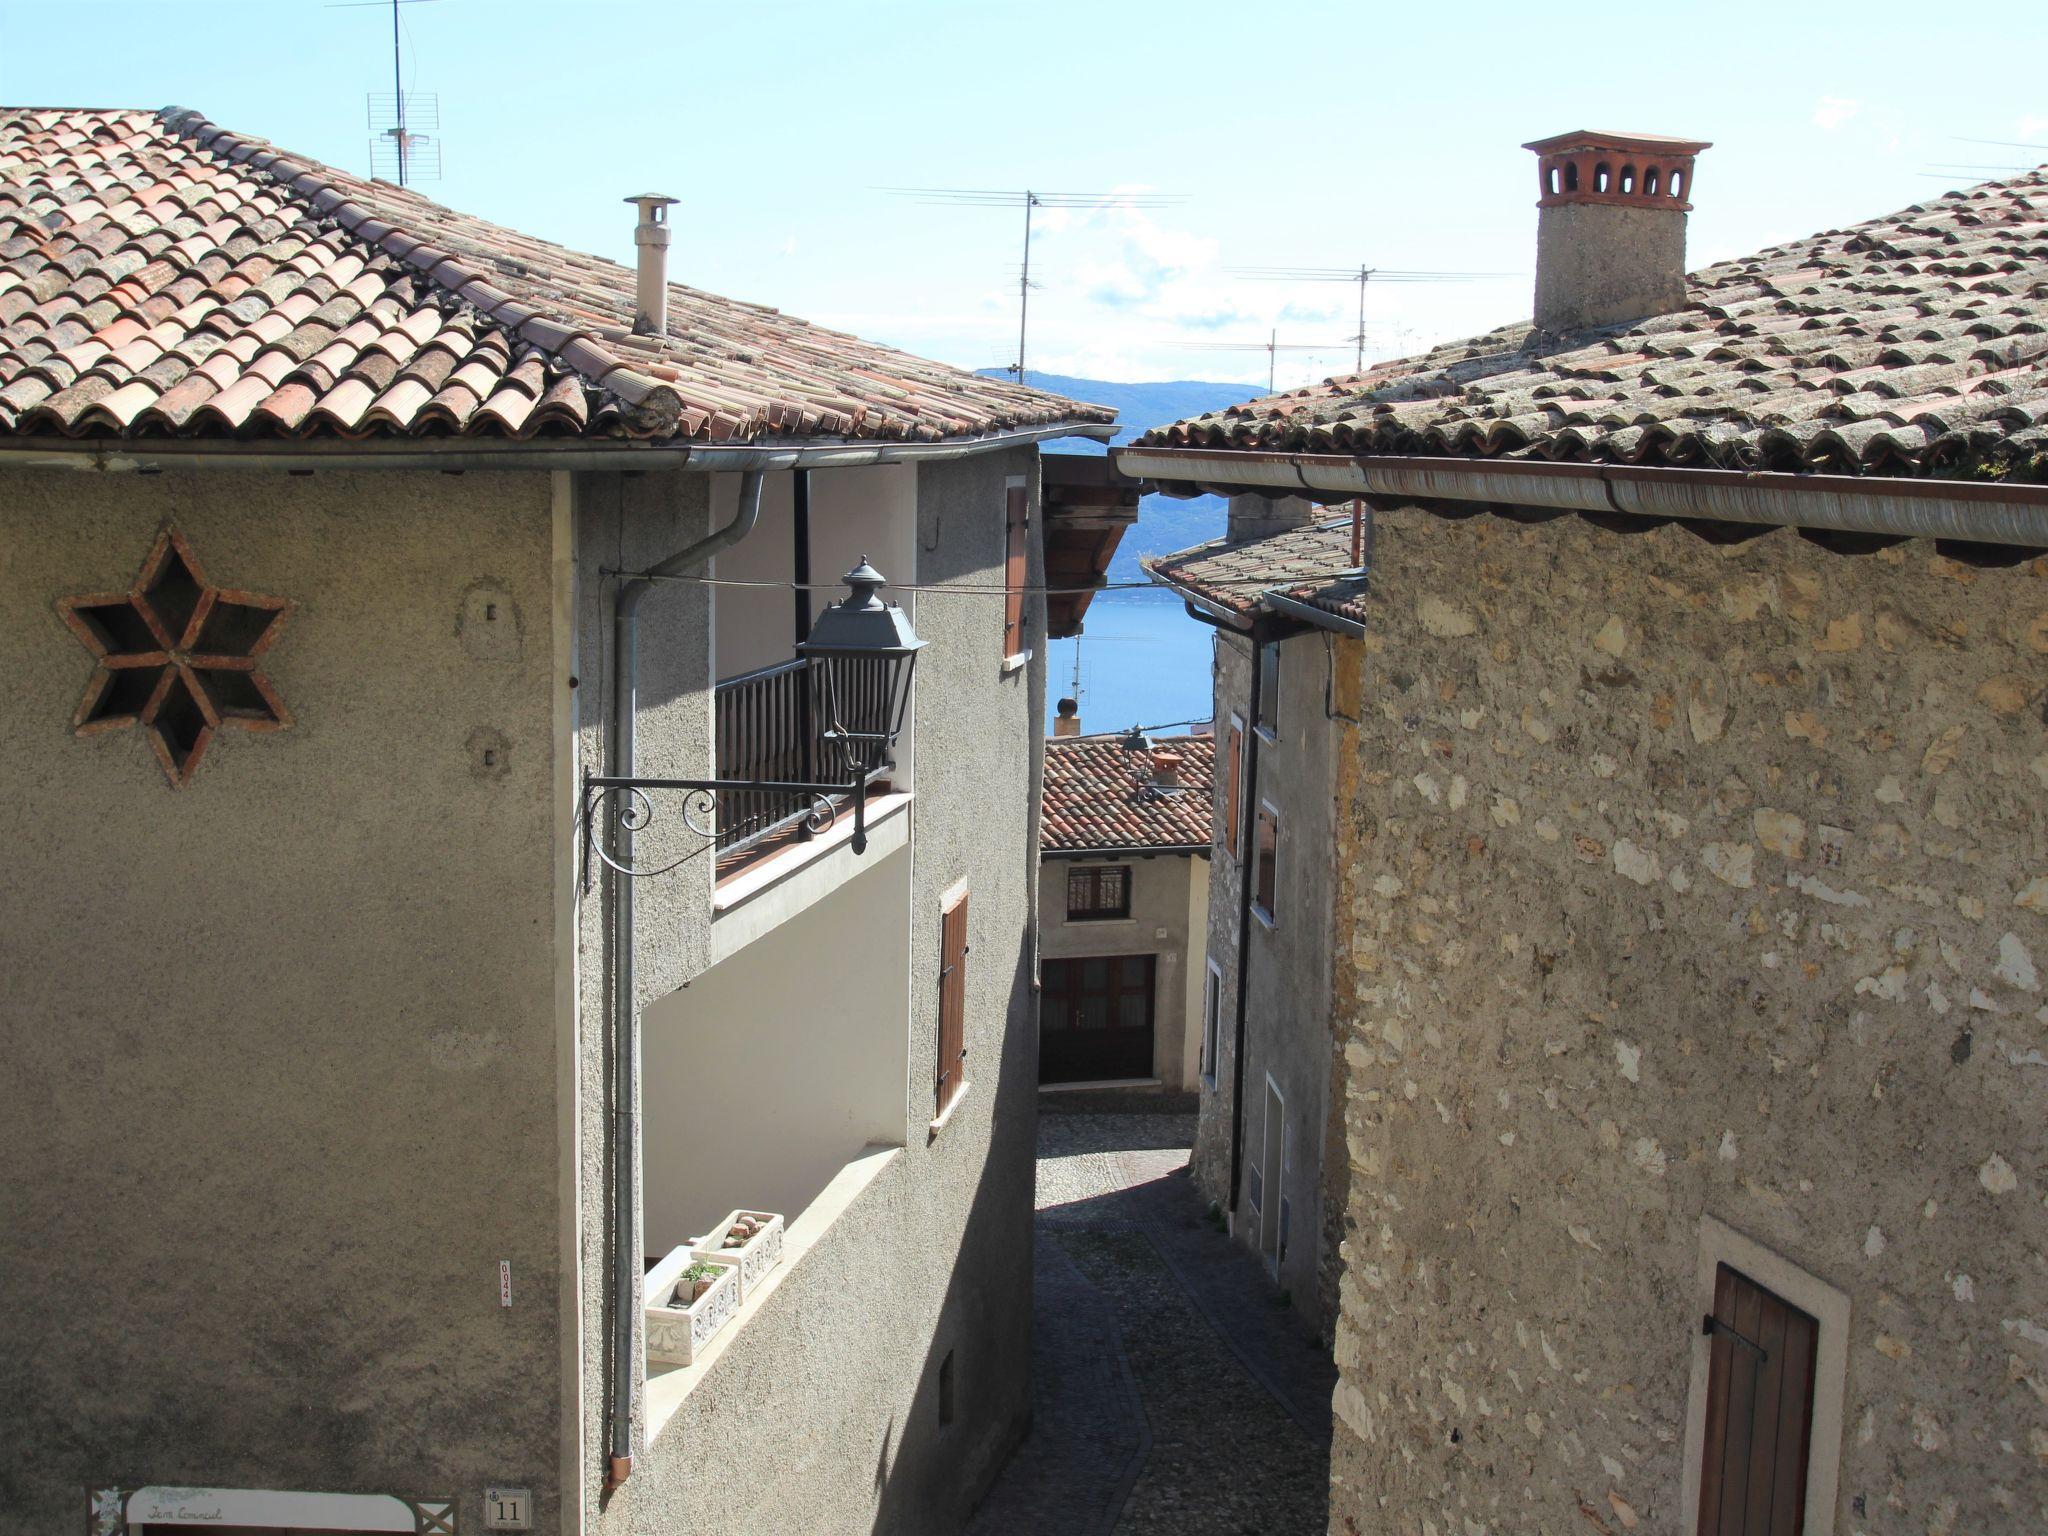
(952, 1069)
(1232, 795)
(1016, 566)
(1759, 1411)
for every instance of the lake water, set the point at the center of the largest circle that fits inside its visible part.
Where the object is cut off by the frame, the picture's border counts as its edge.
(1143, 661)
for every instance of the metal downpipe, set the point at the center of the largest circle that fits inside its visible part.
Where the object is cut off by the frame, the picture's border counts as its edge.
(619, 760)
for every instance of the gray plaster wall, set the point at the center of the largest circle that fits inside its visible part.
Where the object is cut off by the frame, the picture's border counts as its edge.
(1684, 880)
(1287, 1032)
(280, 1086)
(1167, 921)
(822, 1414)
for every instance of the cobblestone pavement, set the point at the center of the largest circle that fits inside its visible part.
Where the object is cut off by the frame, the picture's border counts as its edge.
(1173, 1391)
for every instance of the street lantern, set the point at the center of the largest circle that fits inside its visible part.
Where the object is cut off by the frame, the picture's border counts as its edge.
(862, 653)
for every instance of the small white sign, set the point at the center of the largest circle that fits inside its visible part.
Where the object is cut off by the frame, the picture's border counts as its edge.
(508, 1509)
(505, 1287)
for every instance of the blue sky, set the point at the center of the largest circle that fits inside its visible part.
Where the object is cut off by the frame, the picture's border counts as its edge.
(1300, 134)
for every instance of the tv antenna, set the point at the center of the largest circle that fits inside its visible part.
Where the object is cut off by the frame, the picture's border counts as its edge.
(398, 151)
(983, 197)
(1361, 275)
(1272, 346)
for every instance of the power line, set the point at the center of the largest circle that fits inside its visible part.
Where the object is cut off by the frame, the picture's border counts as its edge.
(1028, 200)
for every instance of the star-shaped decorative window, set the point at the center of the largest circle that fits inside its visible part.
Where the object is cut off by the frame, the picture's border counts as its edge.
(177, 656)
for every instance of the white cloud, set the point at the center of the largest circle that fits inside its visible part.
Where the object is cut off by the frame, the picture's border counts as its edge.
(1830, 112)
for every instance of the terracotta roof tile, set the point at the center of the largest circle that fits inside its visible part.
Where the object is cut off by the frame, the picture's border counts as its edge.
(127, 235)
(1301, 563)
(1858, 351)
(1096, 797)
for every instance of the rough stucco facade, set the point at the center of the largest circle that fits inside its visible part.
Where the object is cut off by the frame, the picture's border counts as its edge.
(280, 1044)
(822, 1414)
(302, 1052)
(1169, 921)
(1287, 1030)
(1683, 880)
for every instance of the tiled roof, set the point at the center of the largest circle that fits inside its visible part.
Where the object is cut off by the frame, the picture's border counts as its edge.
(160, 276)
(1301, 563)
(1915, 344)
(1096, 796)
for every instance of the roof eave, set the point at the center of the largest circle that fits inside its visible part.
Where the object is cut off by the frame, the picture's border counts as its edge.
(1983, 512)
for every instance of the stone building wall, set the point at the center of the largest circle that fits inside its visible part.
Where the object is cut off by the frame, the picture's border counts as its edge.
(1681, 880)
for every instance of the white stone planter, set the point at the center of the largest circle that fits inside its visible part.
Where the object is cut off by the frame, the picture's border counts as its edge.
(677, 1335)
(761, 1253)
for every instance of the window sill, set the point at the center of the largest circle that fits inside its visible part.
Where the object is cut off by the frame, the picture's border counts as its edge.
(945, 1115)
(1209, 1081)
(1101, 922)
(669, 1385)
(1016, 663)
(1265, 918)
(1268, 734)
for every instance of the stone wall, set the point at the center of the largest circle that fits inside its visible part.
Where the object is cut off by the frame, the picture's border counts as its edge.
(1678, 880)
(1287, 1034)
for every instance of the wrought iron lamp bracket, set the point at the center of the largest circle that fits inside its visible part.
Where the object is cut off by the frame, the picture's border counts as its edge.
(621, 807)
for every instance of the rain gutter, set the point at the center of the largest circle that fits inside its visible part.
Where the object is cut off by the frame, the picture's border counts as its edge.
(151, 455)
(1976, 511)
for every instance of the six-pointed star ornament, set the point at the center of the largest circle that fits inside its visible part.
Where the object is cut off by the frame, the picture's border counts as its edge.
(177, 656)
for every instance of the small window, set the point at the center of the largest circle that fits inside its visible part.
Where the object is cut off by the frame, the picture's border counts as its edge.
(1016, 566)
(1269, 691)
(1098, 893)
(952, 1062)
(1233, 790)
(1268, 872)
(1759, 1409)
(1212, 1021)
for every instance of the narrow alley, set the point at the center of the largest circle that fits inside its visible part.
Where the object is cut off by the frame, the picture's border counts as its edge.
(1175, 1391)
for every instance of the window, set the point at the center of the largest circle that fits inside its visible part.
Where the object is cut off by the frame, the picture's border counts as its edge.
(1212, 1021)
(1233, 767)
(1095, 1019)
(952, 1066)
(1098, 893)
(1016, 567)
(1759, 1409)
(1269, 691)
(1267, 874)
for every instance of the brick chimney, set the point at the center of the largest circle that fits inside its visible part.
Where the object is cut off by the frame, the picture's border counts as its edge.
(1610, 239)
(1254, 517)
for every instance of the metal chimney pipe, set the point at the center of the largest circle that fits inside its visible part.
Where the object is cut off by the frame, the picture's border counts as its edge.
(650, 239)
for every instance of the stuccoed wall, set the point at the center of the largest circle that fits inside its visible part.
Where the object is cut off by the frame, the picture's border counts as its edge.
(1287, 1030)
(822, 1413)
(279, 1090)
(1159, 925)
(1681, 880)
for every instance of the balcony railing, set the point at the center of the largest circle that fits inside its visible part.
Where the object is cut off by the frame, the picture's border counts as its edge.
(768, 726)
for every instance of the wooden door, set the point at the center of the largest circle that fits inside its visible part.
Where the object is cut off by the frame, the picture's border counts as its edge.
(1095, 1019)
(1759, 1411)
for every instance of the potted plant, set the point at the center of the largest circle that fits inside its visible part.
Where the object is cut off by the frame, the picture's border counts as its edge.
(688, 1299)
(752, 1239)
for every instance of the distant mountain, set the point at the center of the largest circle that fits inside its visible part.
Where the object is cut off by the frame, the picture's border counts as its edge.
(1165, 523)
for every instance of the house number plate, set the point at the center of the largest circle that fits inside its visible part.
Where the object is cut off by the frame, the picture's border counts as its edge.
(508, 1509)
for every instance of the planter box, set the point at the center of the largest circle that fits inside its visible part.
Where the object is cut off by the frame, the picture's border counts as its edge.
(762, 1252)
(677, 1335)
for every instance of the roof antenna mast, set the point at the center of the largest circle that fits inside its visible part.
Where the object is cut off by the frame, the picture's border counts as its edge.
(984, 197)
(397, 152)
(1360, 275)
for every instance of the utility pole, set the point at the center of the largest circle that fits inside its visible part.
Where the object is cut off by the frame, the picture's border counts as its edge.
(1364, 272)
(1272, 357)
